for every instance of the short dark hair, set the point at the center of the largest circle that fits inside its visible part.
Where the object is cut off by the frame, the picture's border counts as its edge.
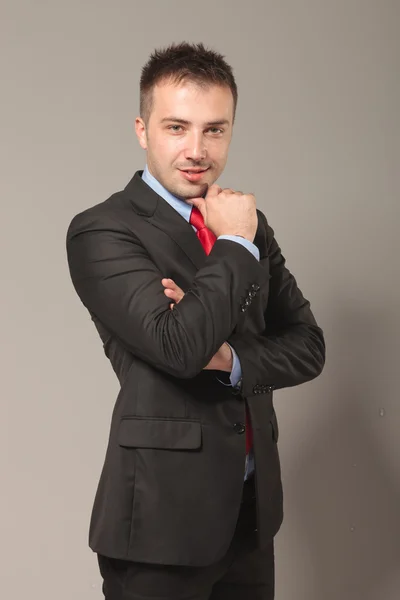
(184, 61)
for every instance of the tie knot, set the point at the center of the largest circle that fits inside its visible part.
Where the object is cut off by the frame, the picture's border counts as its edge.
(196, 218)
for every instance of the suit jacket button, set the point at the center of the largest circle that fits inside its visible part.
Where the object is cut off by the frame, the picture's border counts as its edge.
(239, 428)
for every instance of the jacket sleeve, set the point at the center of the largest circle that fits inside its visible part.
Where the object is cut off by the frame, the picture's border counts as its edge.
(291, 349)
(120, 285)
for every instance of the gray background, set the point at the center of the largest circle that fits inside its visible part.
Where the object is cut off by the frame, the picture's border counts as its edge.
(317, 141)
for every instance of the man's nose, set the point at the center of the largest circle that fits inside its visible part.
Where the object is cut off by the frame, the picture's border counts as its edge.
(195, 149)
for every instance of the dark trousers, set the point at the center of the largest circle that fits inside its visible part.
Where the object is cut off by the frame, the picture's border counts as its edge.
(244, 573)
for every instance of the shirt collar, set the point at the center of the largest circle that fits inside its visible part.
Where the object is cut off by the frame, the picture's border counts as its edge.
(179, 205)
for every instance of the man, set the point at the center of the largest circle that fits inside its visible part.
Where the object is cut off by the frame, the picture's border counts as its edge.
(201, 321)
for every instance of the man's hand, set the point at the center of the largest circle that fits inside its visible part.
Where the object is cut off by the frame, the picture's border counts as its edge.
(223, 359)
(228, 212)
(173, 291)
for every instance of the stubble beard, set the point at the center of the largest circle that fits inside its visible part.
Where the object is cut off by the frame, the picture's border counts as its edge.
(188, 191)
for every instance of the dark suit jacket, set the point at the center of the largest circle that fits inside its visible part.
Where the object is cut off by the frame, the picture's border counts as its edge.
(172, 480)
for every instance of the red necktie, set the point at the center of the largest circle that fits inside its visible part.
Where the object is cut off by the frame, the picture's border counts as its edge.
(207, 239)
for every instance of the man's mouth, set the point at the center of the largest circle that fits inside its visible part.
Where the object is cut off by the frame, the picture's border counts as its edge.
(194, 174)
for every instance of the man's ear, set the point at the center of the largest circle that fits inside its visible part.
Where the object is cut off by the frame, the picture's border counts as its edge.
(140, 129)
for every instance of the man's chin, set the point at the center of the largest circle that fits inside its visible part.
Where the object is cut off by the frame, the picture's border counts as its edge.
(191, 191)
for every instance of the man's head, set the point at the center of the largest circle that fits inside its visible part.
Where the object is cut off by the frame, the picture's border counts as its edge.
(188, 98)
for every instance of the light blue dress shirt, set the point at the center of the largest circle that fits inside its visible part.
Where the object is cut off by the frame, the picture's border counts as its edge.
(185, 210)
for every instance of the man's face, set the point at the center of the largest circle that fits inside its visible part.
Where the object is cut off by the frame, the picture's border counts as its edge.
(189, 128)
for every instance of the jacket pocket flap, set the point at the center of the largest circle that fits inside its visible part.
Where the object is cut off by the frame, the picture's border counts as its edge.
(171, 434)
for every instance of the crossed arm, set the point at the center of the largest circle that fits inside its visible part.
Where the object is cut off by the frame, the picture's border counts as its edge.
(290, 350)
(223, 358)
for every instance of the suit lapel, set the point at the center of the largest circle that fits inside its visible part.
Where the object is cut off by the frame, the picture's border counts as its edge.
(159, 213)
(173, 224)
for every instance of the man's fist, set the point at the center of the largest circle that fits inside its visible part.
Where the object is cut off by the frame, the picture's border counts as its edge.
(227, 212)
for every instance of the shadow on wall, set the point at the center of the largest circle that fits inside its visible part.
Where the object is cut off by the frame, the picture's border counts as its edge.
(346, 499)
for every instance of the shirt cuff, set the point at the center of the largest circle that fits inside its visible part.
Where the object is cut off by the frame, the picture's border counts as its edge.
(246, 243)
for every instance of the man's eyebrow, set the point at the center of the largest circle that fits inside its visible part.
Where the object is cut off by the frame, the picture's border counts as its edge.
(184, 122)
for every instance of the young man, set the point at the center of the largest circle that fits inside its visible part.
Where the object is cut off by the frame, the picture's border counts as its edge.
(201, 321)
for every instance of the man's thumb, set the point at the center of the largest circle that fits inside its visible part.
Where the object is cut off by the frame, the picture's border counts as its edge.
(199, 203)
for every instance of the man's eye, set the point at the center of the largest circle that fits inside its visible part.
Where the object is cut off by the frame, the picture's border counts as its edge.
(216, 130)
(175, 127)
